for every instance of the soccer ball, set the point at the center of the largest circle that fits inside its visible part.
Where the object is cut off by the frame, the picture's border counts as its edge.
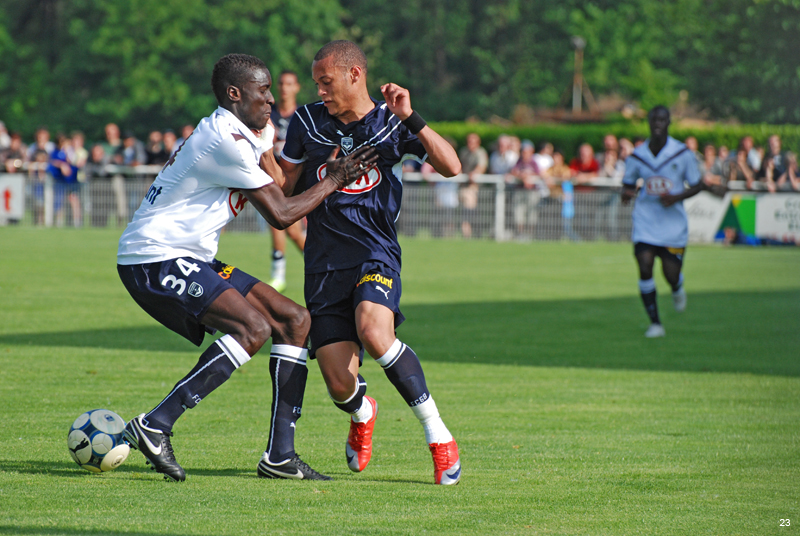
(95, 441)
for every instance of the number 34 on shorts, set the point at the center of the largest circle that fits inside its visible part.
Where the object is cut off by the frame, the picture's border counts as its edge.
(179, 284)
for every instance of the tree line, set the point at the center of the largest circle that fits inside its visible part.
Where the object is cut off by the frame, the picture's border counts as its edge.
(77, 64)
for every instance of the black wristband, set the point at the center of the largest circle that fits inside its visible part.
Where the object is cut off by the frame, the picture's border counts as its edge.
(414, 123)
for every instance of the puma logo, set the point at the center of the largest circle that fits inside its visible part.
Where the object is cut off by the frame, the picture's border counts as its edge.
(385, 292)
(82, 445)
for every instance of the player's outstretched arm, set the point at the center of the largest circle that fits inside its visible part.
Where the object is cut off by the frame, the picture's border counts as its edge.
(281, 212)
(441, 154)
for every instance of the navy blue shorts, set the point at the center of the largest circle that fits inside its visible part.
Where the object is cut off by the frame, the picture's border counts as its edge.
(332, 298)
(665, 253)
(178, 292)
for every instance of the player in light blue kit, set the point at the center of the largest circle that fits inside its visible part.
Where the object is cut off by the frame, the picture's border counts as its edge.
(660, 225)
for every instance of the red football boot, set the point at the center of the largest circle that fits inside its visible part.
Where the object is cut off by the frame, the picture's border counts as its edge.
(359, 442)
(446, 463)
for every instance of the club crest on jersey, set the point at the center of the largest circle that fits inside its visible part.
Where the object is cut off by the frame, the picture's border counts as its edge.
(364, 183)
(657, 185)
(236, 200)
(347, 143)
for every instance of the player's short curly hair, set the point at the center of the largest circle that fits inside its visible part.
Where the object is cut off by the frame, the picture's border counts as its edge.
(233, 70)
(345, 53)
(657, 108)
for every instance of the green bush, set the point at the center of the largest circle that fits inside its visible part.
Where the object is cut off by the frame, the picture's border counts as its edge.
(568, 137)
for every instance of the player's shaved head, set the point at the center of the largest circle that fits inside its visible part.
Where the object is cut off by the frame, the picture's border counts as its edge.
(345, 54)
(656, 109)
(233, 70)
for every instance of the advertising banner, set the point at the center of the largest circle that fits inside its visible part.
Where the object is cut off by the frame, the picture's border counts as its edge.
(778, 217)
(12, 197)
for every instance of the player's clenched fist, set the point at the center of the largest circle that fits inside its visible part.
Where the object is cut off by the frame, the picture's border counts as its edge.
(397, 100)
(343, 171)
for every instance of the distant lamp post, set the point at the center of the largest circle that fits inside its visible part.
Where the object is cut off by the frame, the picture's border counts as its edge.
(577, 80)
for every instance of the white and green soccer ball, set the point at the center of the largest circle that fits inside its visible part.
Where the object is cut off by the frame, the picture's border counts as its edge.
(95, 441)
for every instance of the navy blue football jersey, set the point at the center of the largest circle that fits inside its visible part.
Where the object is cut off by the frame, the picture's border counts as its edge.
(356, 224)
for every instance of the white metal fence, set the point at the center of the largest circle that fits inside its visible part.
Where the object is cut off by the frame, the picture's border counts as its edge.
(432, 206)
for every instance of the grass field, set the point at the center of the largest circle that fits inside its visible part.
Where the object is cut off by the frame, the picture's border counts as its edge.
(568, 419)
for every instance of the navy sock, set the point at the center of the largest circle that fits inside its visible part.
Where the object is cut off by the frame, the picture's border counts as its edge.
(288, 371)
(352, 404)
(647, 288)
(401, 365)
(213, 368)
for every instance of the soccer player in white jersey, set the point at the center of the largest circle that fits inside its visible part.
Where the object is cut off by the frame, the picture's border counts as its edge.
(166, 262)
(660, 225)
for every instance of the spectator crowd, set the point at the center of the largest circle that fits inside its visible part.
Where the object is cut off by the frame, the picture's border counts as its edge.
(531, 172)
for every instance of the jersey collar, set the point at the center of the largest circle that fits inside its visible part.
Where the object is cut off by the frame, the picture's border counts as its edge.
(670, 149)
(241, 127)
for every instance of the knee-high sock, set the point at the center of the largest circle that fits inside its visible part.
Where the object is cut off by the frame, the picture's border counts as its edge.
(288, 371)
(356, 405)
(647, 288)
(401, 365)
(215, 366)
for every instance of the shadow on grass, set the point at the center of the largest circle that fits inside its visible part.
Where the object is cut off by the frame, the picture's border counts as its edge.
(750, 332)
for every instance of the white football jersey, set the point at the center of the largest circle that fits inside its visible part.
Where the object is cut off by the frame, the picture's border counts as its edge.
(663, 174)
(197, 193)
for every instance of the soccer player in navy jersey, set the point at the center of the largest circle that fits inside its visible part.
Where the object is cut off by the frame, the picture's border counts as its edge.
(352, 257)
(660, 225)
(166, 260)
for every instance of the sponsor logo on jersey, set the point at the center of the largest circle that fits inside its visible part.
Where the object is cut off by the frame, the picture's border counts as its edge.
(236, 200)
(152, 193)
(378, 278)
(364, 183)
(226, 272)
(657, 185)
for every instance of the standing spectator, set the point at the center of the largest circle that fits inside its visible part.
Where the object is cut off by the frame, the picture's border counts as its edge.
(42, 145)
(740, 169)
(754, 154)
(15, 156)
(711, 167)
(101, 195)
(612, 168)
(132, 152)
(625, 149)
(78, 155)
(774, 169)
(155, 153)
(694, 146)
(530, 189)
(544, 157)
(502, 158)
(610, 143)
(169, 139)
(65, 181)
(559, 171)
(794, 180)
(113, 140)
(584, 165)
(5, 138)
(186, 131)
(474, 162)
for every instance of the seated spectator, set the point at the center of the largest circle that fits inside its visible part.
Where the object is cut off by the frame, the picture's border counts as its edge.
(584, 165)
(774, 169)
(155, 153)
(544, 157)
(503, 157)
(15, 156)
(474, 162)
(740, 170)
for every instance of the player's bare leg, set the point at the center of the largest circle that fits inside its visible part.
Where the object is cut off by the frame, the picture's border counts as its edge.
(339, 363)
(375, 325)
(297, 234)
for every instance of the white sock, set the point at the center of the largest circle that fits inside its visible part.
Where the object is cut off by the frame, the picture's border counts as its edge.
(428, 415)
(279, 268)
(364, 413)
